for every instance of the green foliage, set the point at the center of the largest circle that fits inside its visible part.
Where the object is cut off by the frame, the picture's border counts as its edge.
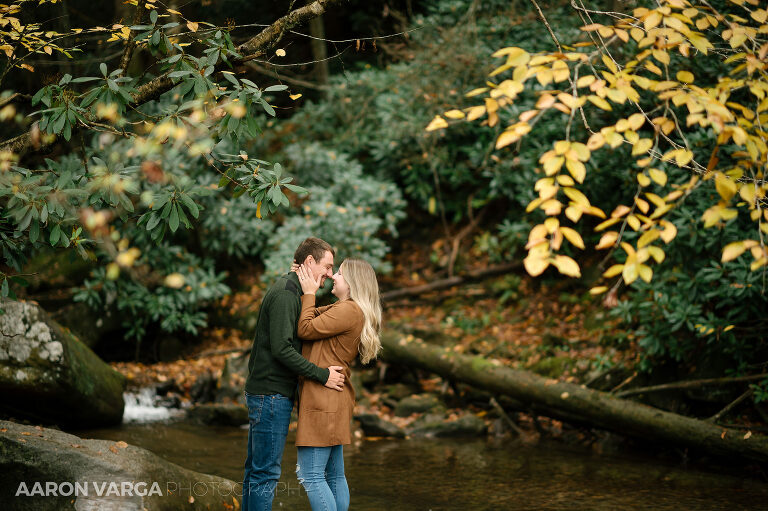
(143, 300)
(348, 210)
(377, 115)
(698, 308)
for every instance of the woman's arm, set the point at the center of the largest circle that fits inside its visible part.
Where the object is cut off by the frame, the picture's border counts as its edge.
(329, 321)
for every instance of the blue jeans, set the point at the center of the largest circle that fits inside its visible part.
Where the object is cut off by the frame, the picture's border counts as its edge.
(321, 472)
(269, 416)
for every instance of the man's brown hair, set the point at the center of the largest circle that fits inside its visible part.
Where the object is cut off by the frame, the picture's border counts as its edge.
(314, 247)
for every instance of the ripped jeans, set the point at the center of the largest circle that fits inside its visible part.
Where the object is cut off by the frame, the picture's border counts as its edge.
(321, 471)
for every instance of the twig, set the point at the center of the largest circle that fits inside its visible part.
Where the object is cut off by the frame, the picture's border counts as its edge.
(450, 282)
(288, 79)
(691, 384)
(731, 405)
(625, 382)
(496, 406)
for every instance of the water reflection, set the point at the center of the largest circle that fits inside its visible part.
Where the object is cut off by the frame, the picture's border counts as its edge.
(463, 474)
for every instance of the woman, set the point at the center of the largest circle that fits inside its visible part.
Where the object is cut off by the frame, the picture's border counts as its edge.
(333, 335)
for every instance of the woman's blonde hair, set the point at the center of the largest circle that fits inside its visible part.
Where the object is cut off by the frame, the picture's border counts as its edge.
(364, 291)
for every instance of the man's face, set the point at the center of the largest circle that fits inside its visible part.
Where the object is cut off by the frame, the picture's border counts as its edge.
(322, 268)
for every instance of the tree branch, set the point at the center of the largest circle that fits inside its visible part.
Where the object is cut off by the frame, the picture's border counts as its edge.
(253, 48)
(691, 384)
(452, 281)
(130, 44)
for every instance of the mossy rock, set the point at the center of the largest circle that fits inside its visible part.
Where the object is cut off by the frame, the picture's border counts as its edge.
(219, 414)
(373, 425)
(398, 391)
(418, 403)
(47, 375)
(33, 455)
(552, 367)
(468, 425)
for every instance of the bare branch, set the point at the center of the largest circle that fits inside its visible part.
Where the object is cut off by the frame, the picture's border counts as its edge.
(130, 44)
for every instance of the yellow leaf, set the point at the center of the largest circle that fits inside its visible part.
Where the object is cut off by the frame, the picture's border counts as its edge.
(552, 165)
(566, 266)
(759, 15)
(725, 187)
(658, 176)
(577, 170)
(573, 236)
(657, 253)
(437, 123)
(630, 273)
(598, 290)
(607, 240)
(732, 251)
(454, 114)
(581, 150)
(683, 157)
(748, 193)
(647, 238)
(645, 271)
(584, 81)
(643, 179)
(642, 146)
(258, 209)
(294, 96)
(565, 180)
(535, 266)
(476, 92)
(669, 232)
(576, 196)
(685, 76)
(574, 214)
(606, 224)
(652, 20)
(613, 271)
(599, 102)
(192, 26)
(475, 112)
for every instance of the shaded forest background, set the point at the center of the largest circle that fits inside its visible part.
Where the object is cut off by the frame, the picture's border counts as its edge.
(364, 82)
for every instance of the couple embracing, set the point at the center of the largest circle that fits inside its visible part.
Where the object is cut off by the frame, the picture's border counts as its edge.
(281, 372)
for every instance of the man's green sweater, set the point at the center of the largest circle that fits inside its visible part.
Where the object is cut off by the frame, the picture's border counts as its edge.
(276, 360)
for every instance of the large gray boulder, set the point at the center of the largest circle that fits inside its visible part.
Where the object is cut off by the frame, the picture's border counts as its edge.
(47, 375)
(46, 469)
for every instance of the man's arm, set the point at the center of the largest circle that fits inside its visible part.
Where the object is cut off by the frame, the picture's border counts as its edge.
(283, 315)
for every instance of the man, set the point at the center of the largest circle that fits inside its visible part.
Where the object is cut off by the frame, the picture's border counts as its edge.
(273, 370)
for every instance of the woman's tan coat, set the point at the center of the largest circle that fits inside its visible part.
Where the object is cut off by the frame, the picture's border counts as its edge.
(331, 336)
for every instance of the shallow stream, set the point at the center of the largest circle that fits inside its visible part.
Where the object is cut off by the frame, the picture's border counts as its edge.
(461, 474)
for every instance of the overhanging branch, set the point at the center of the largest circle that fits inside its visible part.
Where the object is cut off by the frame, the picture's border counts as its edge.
(251, 49)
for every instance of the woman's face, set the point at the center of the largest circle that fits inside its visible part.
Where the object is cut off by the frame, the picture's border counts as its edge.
(340, 287)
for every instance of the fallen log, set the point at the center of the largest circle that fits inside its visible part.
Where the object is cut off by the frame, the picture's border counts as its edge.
(562, 400)
(470, 276)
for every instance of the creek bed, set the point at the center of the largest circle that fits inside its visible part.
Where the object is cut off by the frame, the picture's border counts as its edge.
(461, 474)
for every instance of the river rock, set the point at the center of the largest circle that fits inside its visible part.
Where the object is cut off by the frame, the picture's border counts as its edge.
(219, 414)
(231, 384)
(40, 465)
(48, 375)
(417, 403)
(373, 425)
(436, 426)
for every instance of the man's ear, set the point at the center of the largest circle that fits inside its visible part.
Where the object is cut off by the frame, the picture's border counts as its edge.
(309, 259)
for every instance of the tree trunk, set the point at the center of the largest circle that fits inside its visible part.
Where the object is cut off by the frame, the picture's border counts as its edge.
(319, 50)
(568, 401)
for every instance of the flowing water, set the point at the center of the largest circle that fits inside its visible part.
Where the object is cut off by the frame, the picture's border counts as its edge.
(461, 474)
